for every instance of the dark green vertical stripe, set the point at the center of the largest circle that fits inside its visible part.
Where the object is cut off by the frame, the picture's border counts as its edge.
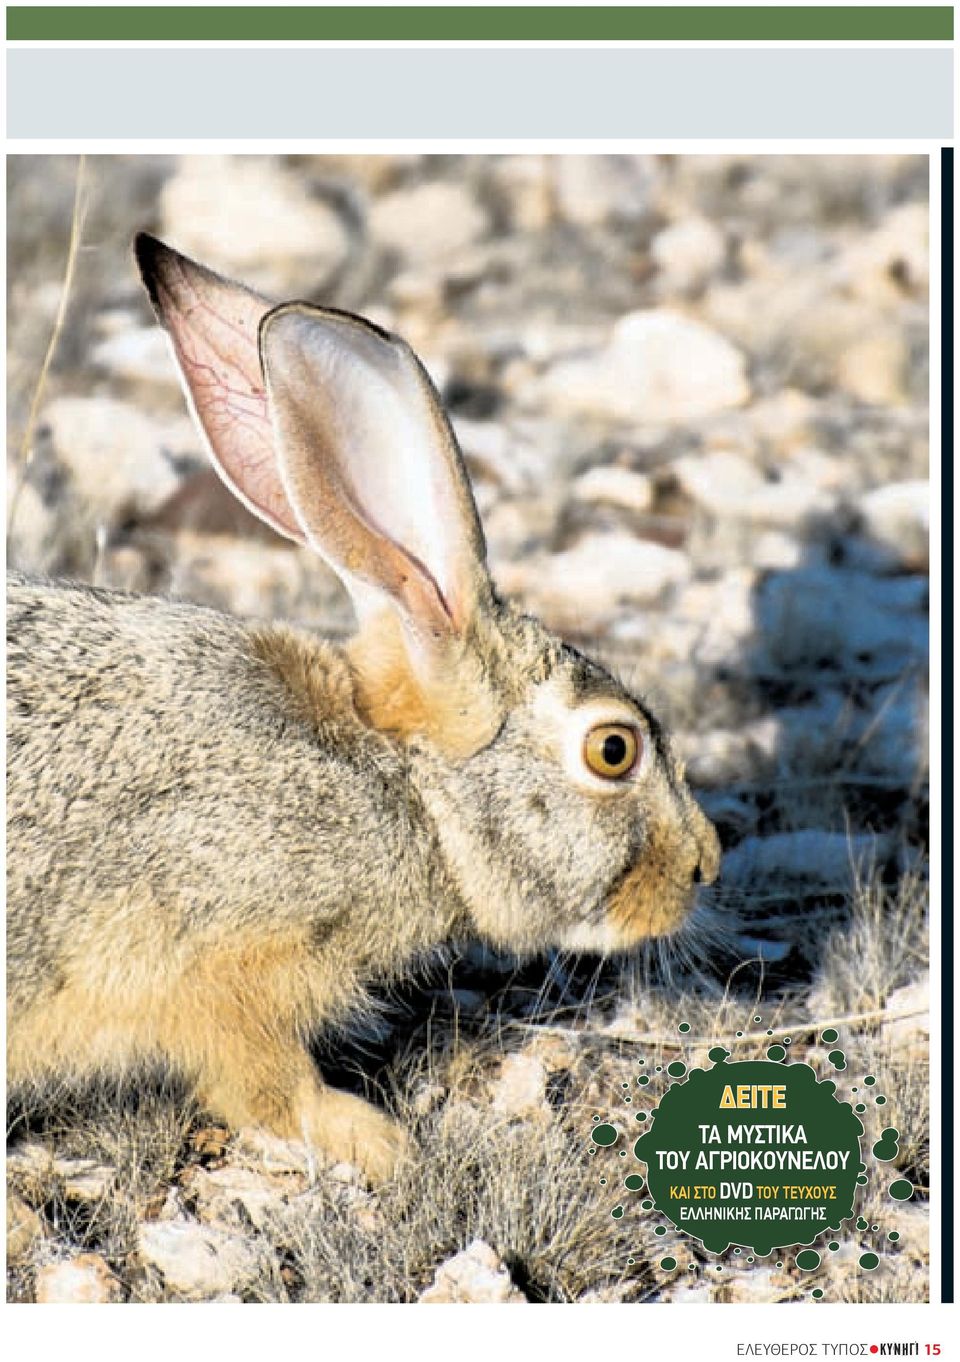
(253, 23)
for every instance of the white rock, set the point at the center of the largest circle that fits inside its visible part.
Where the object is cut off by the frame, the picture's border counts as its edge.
(427, 221)
(141, 355)
(724, 483)
(527, 186)
(197, 1260)
(253, 218)
(874, 367)
(834, 859)
(24, 1228)
(229, 1194)
(657, 366)
(118, 457)
(898, 517)
(84, 1280)
(611, 485)
(587, 585)
(827, 615)
(521, 1087)
(591, 190)
(688, 252)
(474, 1277)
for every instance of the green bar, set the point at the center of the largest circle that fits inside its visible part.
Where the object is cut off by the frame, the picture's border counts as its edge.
(418, 23)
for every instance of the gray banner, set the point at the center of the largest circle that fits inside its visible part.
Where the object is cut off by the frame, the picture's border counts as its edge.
(496, 93)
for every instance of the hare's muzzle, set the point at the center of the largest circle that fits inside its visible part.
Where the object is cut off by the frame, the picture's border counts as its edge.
(655, 894)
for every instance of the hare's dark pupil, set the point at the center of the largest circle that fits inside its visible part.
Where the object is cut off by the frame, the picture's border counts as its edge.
(614, 749)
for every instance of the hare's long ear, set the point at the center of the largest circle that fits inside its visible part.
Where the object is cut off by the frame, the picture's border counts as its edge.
(212, 325)
(372, 470)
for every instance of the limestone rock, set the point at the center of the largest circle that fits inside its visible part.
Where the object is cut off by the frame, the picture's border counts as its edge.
(688, 252)
(521, 1087)
(198, 1260)
(427, 222)
(474, 1277)
(84, 1280)
(254, 219)
(656, 366)
(24, 1228)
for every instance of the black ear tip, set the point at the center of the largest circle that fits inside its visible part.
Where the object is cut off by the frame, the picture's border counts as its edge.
(147, 251)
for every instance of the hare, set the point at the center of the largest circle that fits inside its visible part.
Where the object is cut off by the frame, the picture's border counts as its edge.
(220, 832)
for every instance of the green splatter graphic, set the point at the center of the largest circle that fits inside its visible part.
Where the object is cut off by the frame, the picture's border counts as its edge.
(617, 1212)
(643, 1080)
(893, 1236)
(604, 1135)
(862, 1179)
(833, 1246)
(758, 1020)
(668, 1264)
(808, 1260)
(901, 1190)
(838, 1059)
(869, 1261)
(633, 1183)
(676, 1069)
(718, 1054)
(861, 1223)
(869, 1080)
(828, 1037)
(881, 1101)
(661, 1229)
(817, 1294)
(685, 1126)
(887, 1146)
(859, 1107)
(776, 1053)
(646, 1205)
(641, 1115)
(683, 1028)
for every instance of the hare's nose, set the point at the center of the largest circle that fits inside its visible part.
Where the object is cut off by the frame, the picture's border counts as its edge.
(707, 867)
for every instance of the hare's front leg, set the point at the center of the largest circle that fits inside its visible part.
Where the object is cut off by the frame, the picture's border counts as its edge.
(238, 1036)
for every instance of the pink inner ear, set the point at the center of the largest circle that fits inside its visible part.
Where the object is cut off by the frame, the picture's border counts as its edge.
(213, 327)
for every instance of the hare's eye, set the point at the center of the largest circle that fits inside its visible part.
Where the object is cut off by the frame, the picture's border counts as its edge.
(611, 750)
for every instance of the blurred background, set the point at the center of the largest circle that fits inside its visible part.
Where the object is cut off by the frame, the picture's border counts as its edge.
(692, 396)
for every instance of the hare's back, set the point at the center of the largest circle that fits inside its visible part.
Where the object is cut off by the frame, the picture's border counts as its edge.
(169, 766)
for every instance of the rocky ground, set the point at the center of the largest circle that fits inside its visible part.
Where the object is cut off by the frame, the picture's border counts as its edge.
(692, 395)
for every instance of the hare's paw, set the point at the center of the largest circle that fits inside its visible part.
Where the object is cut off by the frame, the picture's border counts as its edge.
(349, 1130)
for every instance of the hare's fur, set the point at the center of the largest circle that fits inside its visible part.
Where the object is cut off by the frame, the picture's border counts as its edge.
(220, 833)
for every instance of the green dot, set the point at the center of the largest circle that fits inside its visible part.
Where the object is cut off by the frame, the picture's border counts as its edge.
(719, 1267)
(758, 1019)
(643, 1080)
(676, 1069)
(779, 1264)
(617, 1212)
(631, 1261)
(641, 1115)
(862, 1179)
(604, 1135)
(668, 1264)
(868, 1261)
(859, 1107)
(739, 1034)
(881, 1101)
(808, 1260)
(869, 1080)
(833, 1246)
(788, 1040)
(893, 1236)
(633, 1183)
(683, 1028)
(736, 1250)
(646, 1205)
(718, 1054)
(776, 1052)
(828, 1037)
(624, 1085)
(838, 1059)
(874, 1228)
(816, 1293)
(861, 1223)
(901, 1190)
(661, 1229)
(751, 1260)
(658, 1069)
